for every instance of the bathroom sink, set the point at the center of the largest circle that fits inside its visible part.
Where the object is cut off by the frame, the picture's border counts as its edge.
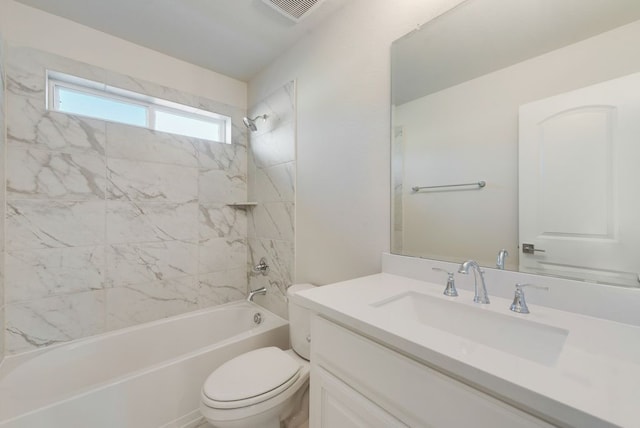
(523, 338)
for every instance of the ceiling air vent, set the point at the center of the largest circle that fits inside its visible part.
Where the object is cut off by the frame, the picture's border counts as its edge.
(294, 9)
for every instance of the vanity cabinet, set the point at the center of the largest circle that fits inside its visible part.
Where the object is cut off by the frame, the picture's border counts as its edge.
(356, 382)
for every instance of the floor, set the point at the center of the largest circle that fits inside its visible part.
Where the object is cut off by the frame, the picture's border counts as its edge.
(205, 424)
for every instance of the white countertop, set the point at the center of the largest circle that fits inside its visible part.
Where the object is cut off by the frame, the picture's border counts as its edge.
(595, 381)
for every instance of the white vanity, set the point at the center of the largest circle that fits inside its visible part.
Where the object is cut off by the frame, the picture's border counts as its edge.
(389, 350)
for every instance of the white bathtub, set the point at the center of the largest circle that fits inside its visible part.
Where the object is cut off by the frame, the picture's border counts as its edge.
(144, 376)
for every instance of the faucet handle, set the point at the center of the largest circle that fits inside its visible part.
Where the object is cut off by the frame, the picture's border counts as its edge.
(451, 283)
(519, 305)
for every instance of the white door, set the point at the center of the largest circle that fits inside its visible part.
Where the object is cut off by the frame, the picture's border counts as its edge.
(579, 175)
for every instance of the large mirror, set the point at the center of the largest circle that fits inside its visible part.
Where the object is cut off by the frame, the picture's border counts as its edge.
(516, 126)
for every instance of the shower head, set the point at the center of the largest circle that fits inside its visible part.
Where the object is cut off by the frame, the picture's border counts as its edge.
(251, 123)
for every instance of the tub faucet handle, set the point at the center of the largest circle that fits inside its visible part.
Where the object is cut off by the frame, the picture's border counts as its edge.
(519, 305)
(450, 290)
(262, 267)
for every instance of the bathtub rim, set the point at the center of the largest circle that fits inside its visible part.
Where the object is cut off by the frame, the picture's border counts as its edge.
(18, 359)
(33, 353)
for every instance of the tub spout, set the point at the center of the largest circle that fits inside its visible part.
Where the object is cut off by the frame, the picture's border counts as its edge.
(252, 293)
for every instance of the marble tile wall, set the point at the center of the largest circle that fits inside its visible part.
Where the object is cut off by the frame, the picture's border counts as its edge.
(110, 225)
(272, 173)
(2, 190)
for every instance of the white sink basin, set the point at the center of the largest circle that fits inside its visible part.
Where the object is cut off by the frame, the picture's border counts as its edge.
(523, 338)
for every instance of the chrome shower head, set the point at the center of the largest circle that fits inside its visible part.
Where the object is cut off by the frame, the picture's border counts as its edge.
(251, 123)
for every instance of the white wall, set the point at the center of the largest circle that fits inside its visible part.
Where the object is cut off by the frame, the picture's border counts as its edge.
(31, 27)
(343, 119)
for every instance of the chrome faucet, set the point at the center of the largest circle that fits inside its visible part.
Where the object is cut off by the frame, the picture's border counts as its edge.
(519, 305)
(481, 295)
(252, 293)
(502, 255)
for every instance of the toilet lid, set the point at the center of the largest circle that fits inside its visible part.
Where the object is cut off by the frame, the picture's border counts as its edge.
(254, 376)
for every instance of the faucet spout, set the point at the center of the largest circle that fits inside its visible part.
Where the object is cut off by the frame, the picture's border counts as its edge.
(253, 293)
(502, 255)
(481, 295)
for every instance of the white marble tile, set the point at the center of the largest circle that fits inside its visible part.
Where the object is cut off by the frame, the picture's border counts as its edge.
(272, 220)
(2, 194)
(54, 224)
(221, 287)
(39, 174)
(276, 183)
(34, 274)
(227, 157)
(218, 254)
(279, 106)
(164, 193)
(222, 186)
(279, 256)
(150, 261)
(148, 181)
(151, 89)
(2, 331)
(239, 133)
(43, 322)
(139, 303)
(275, 147)
(26, 70)
(251, 176)
(220, 221)
(141, 86)
(151, 221)
(30, 125)
(135, 143)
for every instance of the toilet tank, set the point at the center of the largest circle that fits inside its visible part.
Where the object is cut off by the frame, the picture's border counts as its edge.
(299, 323)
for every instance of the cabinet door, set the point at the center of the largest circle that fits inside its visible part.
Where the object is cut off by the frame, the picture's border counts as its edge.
(410, 391)
(334, 404)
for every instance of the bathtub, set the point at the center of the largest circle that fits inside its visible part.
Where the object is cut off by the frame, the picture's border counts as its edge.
(144, 376)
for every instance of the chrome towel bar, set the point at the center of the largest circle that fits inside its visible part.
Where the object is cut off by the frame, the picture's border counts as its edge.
(480, 185)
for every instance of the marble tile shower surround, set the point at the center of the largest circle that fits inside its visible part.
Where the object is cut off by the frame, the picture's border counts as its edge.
(110, 225)
(2, 190)
(272, 165)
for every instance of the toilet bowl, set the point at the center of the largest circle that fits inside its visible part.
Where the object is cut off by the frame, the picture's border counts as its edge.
(264, 386)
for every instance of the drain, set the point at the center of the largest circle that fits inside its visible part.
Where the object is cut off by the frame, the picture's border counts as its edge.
(257, 318)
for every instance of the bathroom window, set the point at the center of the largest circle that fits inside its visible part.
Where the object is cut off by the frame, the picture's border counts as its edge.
(78, 96)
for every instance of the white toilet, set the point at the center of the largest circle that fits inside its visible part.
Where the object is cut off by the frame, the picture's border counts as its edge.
(261, 387)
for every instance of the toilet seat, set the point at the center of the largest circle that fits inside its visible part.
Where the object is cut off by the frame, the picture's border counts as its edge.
(250, 378)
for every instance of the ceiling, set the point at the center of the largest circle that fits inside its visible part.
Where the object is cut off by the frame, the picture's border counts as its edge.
(469, 41)
(237, 38)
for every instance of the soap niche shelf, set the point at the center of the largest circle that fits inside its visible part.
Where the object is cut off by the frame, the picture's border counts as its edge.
(242, 205)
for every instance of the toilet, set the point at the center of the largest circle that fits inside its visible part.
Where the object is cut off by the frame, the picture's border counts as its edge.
(261, 387)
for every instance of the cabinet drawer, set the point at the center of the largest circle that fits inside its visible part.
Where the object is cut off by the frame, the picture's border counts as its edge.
(412, 392)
